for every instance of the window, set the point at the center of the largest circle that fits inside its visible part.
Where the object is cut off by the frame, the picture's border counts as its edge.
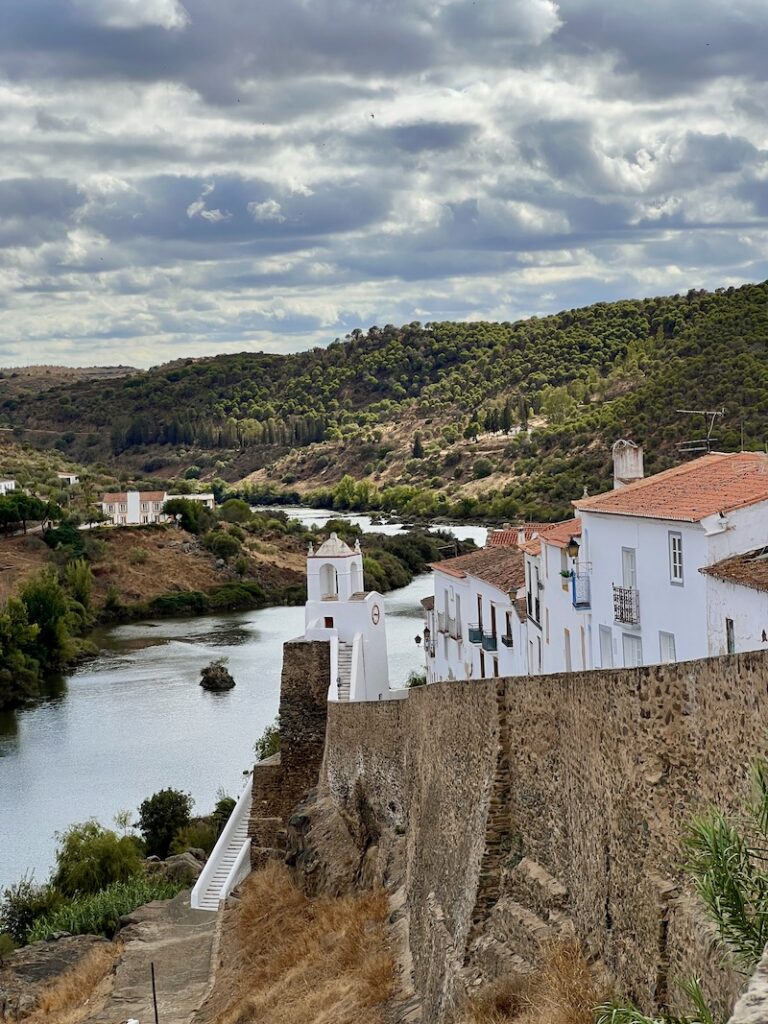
(629, 568)
(676, 558)
(606, 647)
(730, 636)
(633, 650)
(567, 650)
(482, 665)
(667, 647)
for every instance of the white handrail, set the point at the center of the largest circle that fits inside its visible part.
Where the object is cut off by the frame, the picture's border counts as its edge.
(242, 808)
(239, 870)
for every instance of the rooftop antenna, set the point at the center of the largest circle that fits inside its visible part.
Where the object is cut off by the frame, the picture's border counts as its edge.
(701, 444)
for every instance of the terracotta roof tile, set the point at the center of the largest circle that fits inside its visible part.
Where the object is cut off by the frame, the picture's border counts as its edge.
(510, 536)
(747, 570)
(689, 493)
(560, 534)
(143, 496)
(503, 568)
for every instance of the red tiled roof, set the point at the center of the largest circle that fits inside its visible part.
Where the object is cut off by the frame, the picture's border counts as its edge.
(531, 547)
(689, 493)
(143, 496)
(747, 570)
(511, 535)
(560, 534)
(503, 568)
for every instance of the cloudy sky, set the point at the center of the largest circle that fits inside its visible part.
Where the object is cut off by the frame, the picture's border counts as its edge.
(191, 177)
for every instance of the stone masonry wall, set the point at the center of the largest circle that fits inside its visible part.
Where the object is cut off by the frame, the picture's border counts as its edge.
(531, 808)
(282, 781)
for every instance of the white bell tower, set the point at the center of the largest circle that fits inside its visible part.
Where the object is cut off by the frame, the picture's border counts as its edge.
(339, 610)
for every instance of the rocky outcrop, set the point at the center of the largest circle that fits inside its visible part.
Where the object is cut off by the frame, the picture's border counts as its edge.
(216, 677)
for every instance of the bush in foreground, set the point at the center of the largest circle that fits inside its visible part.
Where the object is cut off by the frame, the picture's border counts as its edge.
(90, 858)
(100, 913)
(21, 906)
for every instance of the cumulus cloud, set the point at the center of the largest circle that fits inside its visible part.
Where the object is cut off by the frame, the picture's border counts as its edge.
(195, 177)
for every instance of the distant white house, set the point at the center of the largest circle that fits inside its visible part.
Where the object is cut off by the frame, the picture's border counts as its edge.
(135, 508)
(664, 568)
(68, 479)
(338, 609)
(6, 486)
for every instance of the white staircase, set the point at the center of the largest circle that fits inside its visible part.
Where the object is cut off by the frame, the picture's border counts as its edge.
(230, 860)
(345, 669)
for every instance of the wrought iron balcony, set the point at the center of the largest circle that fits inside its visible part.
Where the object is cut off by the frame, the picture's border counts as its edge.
(489, 642)
(581, 588)
(507, 639)
(626, 605)
(475, 633)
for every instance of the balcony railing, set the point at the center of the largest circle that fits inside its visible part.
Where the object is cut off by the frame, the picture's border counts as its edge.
(452, 631)
(507, 639)
(626, 605)
(475, 633)
(442, 622)
(581, 589)
(489, 642)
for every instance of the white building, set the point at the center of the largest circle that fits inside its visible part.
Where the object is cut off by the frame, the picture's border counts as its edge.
(135, 508)
(737, 603)
(646, 542)
(476, 622)
(6, 486)
(68, 479)
(557, 596)
(352, 619)
(665, 568)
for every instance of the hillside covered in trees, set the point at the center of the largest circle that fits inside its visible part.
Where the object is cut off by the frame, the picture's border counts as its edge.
(415, 406)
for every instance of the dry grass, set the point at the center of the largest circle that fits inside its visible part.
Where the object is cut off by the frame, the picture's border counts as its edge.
(289, 959)
(563, 991)
(71, 996)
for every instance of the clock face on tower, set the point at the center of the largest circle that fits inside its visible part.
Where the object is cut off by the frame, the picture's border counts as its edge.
(375, 614)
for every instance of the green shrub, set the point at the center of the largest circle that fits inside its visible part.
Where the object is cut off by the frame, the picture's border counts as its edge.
(160, 818)
(235, 510)
(415, 679)
(268, 743)
(79, 579)
(198, 835)
(138, 556)
(7, 946)
(100, 913)
(90, 857)
(482, 468)
(223, 809)
(23, 904)
(221, 544)
(193, 473)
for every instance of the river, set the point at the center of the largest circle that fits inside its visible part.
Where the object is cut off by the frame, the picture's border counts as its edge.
(134, 720)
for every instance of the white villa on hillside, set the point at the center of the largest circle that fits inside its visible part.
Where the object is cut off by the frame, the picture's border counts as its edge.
(6, 486)
(666, 568)
(135, 508)
(68, 479)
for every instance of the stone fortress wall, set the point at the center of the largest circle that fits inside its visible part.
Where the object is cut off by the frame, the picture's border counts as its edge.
(501, 813)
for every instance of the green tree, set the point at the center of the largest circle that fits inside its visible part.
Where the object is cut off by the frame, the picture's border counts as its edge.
(160, 818)
(557, 405)
(417, 448)
(79, 579)
(235, 510)
(48, 608)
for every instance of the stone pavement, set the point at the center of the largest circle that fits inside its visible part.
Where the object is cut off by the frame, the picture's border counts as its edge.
(180, 943)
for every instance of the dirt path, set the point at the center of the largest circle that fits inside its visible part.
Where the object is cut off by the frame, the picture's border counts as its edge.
(180, 943)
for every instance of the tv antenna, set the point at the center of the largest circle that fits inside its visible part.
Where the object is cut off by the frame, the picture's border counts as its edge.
(701, 444)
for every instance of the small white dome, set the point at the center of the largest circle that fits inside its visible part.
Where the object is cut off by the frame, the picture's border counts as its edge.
(333, 548)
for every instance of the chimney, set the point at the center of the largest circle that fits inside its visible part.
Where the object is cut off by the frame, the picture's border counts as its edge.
(627, 463)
